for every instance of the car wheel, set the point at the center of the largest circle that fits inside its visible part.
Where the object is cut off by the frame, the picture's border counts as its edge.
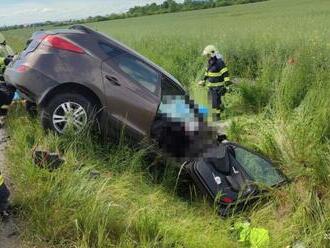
(31, 108)
(68, 110)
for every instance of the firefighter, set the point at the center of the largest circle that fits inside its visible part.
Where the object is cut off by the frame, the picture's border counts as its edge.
(5, 50)
(4, 195)
(216, 79)
(6, 55)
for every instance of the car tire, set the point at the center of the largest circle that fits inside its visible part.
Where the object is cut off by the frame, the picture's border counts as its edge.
(66, 109)
(31, 108)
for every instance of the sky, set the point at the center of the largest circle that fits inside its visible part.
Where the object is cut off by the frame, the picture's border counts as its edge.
(30, 11)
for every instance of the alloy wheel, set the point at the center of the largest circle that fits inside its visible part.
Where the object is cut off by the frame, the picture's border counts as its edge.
(69, 115)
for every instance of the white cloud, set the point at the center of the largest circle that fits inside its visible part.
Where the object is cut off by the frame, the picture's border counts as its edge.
(44, 10)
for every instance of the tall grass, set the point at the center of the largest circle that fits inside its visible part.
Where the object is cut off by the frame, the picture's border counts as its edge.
(121, 207)
(280, 50)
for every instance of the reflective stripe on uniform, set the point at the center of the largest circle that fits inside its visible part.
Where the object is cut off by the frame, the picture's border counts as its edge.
(1, 180)
(216, 74)
(227, 79)
(214, 84)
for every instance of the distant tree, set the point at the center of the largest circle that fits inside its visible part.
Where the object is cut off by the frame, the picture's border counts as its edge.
(149, 9)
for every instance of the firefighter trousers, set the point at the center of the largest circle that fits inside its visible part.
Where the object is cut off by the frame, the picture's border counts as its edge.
(215, 95)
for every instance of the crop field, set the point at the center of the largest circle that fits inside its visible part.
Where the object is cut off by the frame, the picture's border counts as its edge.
(280, 51)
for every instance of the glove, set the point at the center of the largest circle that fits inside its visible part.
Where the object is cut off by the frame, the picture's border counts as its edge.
(229, 89)
(201, 83)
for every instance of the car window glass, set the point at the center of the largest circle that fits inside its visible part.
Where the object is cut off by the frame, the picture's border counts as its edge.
(110, 50)
(169, 89)
(138, 71)
(258, 168)
(133, 67)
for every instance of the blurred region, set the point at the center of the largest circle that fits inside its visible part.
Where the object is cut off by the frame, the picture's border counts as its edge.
(181, 127)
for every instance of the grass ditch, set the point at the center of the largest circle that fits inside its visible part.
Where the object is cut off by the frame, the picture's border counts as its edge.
(281, 109)
(126, 207)
(122, 208)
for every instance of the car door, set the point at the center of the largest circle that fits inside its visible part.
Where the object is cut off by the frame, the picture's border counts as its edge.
(132, 90)
(259, 168)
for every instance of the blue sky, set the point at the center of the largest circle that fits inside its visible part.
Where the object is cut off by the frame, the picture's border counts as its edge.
(30, 11)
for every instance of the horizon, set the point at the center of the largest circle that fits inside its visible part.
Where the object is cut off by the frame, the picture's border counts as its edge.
(19, 12)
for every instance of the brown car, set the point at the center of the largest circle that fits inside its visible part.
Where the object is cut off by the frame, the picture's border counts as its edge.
(69, 72)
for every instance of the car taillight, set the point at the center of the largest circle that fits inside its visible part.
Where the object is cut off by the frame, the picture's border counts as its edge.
(227, 200)
(61, 43)
(22, 68)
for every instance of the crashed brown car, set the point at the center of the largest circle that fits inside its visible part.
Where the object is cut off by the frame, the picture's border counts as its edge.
(78, 76)
(69, 72)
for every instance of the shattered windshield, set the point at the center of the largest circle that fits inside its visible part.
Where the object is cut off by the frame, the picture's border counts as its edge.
(261, 170)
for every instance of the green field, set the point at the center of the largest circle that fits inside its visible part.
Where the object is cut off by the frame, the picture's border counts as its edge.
(280, 50)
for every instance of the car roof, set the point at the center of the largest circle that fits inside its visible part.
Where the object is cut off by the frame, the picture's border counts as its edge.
(84, 29)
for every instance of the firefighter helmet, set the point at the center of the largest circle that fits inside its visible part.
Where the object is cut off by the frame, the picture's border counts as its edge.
(210, 50)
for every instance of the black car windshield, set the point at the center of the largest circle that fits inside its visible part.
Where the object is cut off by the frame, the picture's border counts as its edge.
(261, 170)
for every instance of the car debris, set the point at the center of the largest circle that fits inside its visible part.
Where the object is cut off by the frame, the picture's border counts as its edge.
(254, 237)
(94, 174)
(232, 176)
(47, 160)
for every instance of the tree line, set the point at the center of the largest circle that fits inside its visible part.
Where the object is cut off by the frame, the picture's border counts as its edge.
(168, 6)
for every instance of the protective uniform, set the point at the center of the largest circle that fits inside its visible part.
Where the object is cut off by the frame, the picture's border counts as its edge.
(216, 78)
(5, 50)
(4, 195)
(6, 55)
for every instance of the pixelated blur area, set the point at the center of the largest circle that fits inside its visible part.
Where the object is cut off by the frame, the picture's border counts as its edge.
(181, 128)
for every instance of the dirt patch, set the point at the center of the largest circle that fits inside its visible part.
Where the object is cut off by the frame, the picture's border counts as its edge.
(9, 232)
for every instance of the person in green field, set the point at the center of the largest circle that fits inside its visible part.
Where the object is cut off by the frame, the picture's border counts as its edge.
(216, 79)
(7, 92)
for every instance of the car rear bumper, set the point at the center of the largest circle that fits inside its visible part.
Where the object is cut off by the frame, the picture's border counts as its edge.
(31, 83)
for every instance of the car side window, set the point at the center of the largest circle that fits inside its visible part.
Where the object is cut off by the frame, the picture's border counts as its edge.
(110, 50)
(137, 70)
(132, 67)
(169, 88)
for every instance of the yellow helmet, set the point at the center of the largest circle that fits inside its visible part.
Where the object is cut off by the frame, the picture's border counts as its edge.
(210, 50)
